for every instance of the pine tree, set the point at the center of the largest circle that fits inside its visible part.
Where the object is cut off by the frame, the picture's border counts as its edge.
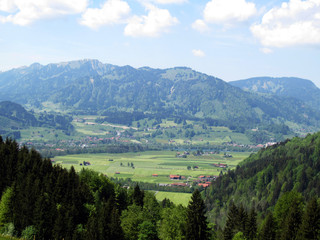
(138, 196)
(197, 226)
(310, 228)
(251, 225)
(268, 231)
(292, 223)
(231, 224)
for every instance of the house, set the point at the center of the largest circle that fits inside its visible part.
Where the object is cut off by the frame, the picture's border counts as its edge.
(175, 177)
(117, 172)
(203, 185)
(154, 175)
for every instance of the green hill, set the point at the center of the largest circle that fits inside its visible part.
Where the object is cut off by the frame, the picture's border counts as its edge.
(88, 86)
(14, 117)
(265, 177)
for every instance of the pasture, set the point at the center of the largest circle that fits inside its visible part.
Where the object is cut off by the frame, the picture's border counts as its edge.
(142, 165)
(175, 197)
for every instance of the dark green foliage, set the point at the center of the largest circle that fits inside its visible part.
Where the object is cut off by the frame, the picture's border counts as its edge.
(197, 225)
(57, 203)
(310, 227)
(292, 222)
(269, 228)
(238, 220)
(138, 196)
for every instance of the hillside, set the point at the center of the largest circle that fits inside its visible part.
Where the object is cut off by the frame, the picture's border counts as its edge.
(267, 176)
(89, 86)
(298, 88)
(14, 117)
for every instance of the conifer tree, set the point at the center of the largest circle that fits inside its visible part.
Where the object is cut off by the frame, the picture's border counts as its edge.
(310, 227)
(230, 228)
(138, 196)
(196, 226)
(251, 225)
(292, 223)
(268, 231)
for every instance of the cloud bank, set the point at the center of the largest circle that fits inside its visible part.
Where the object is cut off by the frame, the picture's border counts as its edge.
(294, 23)
(152, 25)
(112, 12)
(25, 12)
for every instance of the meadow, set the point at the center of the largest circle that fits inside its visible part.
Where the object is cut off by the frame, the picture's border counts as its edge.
(176, 198)
(141, 166)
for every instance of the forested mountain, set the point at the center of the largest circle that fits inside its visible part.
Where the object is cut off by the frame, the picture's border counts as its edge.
(14, 117)
(269, 181)
(298, 88)
(92, 87)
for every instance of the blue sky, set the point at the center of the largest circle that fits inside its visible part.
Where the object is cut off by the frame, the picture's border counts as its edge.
(229, 39)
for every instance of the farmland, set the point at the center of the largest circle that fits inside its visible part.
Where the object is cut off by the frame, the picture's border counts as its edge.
(142, 165)
(176, 198)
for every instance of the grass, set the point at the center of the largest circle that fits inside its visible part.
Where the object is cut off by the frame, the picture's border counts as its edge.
(8, 238)
(147, 163)
(176, 198)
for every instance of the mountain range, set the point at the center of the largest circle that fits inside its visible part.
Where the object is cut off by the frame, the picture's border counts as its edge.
(89, 86)
(289, 87)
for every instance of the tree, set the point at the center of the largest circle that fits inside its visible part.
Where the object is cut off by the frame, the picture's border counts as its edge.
(147, 231)
(293, 221)
(173, 223)
(268, 231)
(130, 220)
(310, 228)
(231, 224)
(5, 206)
(197, 226)
(138, 196)
(251, 225)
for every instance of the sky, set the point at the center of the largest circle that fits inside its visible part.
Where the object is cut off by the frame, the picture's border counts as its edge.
(228, 39)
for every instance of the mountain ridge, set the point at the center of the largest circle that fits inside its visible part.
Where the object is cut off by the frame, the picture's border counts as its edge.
(89, 85)
(302, 89)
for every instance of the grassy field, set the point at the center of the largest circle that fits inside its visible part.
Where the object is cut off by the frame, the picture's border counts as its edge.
(176, 198)
(162, 163)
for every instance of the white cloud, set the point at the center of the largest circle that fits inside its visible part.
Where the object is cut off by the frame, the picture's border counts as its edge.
(200, 26)
(112, 12)
(294, 23)
(228, 11)
(156, 22)
(169, 1)
(266, 50)
(198, 53)
(24, 12)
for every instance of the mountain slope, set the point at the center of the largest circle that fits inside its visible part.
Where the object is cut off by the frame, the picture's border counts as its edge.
(301, 89)
(89, 85)
(13, 117)
(264, 177)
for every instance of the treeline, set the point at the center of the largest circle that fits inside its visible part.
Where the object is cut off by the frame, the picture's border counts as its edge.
(154, 186)
(103, 148)
(41, 201)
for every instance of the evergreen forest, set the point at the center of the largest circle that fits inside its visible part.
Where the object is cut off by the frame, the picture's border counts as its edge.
(272, 195)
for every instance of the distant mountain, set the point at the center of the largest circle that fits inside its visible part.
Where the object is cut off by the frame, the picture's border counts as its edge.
(91, 86)
(301, 89)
